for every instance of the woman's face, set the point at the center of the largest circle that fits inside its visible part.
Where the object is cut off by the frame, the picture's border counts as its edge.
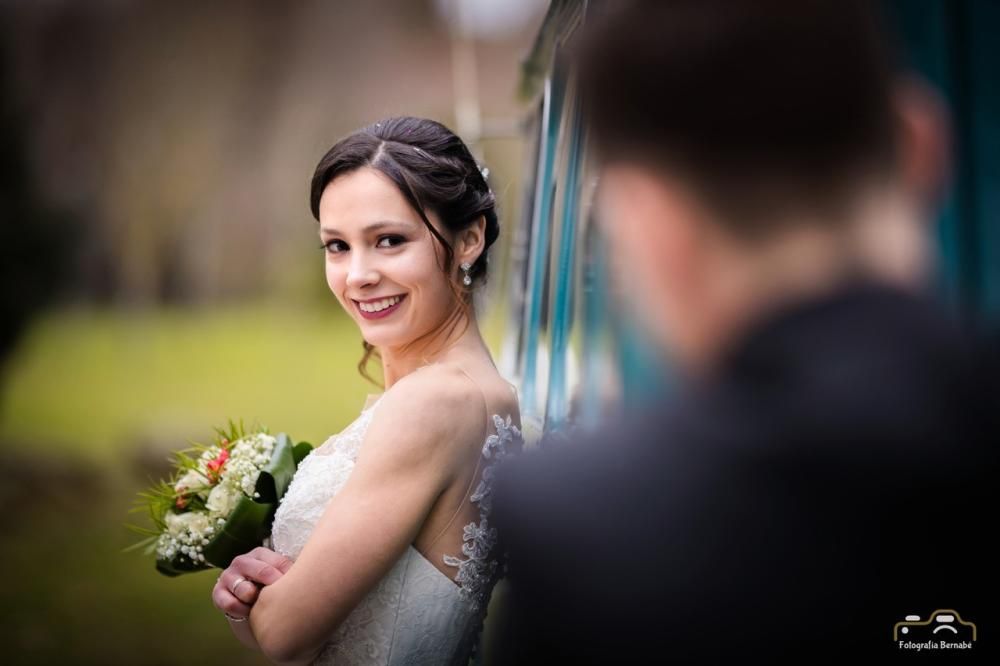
(378, 248)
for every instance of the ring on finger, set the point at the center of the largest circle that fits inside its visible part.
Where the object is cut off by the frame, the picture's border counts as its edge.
(235, 618)
(236, 584)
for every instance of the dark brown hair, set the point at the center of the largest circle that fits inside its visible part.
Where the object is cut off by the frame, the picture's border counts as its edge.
(761, 106)
(434, 170)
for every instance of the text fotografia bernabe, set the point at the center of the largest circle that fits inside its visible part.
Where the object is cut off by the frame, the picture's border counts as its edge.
(934, 645)
(944, 629)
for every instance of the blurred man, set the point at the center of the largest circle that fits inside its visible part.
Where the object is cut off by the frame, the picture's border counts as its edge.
(826, 467)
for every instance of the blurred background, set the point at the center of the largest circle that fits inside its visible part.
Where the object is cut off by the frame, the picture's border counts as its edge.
(161, 270)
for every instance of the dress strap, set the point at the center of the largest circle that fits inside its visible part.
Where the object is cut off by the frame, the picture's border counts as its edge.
(479, 459)
(486, 403)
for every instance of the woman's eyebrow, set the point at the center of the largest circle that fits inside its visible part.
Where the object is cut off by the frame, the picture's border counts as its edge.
(374, 226)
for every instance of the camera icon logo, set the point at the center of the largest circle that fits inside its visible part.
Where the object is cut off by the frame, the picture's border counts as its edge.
(943, 624)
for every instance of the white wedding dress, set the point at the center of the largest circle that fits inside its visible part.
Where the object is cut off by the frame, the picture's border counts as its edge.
(416, 614)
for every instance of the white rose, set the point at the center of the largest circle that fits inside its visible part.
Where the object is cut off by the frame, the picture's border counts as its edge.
(195, 521)
(193, 480)
(222, 499)
(173, 524)
(198, 522)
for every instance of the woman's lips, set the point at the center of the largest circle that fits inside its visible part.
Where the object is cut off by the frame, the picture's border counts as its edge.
(381, 313)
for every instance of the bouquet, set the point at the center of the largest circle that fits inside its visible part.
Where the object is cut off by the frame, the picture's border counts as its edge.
(220, 500)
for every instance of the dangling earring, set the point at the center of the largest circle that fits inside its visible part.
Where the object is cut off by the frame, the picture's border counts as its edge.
(466, 280)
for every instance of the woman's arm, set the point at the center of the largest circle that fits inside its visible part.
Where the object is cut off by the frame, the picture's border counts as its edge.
(410, 453)
(244, 633)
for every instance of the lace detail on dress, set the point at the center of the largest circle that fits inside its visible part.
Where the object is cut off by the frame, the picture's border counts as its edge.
(476, 574)
(326, 467)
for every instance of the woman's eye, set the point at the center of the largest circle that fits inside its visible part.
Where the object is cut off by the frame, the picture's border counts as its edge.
(334, 246)
(397, 239)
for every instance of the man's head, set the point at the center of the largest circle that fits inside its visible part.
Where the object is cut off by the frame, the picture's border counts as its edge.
(748, 150)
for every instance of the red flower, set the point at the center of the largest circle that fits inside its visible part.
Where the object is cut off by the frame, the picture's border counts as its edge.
(215, 466)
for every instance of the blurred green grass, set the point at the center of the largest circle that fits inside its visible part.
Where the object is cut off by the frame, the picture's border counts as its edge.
(90, 383)
(71, 598)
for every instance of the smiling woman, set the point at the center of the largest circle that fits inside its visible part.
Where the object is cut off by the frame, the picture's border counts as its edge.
(395, 196)
(366, 264)
(383, 550)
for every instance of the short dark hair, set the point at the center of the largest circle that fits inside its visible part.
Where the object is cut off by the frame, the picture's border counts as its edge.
(761, 105)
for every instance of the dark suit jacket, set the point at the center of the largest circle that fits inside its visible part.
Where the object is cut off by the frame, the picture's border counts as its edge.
(835, 476)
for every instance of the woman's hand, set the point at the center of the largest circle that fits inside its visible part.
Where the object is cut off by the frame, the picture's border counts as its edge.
(237, 588)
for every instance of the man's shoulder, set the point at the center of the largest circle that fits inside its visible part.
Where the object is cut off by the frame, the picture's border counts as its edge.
(566, 471)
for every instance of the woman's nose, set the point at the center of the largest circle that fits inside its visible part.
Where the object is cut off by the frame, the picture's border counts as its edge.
(361, 272)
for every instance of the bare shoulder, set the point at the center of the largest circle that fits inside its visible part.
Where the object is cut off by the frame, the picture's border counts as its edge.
(433, 411)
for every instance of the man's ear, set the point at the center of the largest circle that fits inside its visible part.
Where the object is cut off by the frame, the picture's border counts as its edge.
(658, 250)
(924, 141)
(651, 222)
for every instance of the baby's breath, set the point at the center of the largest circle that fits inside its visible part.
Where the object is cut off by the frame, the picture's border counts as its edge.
(208, 482)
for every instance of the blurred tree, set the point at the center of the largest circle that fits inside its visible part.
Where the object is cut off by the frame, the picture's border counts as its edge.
(36, 248)
(182, 135)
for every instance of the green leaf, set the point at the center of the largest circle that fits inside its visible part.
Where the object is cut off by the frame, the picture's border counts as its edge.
(300, 451)
(149, 540)
(277, 474)
(243, 531)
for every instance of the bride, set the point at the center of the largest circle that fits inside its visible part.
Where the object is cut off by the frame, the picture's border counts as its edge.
(381, 551)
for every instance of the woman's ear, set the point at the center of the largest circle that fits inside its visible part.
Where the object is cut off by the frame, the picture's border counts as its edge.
(472, 241)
